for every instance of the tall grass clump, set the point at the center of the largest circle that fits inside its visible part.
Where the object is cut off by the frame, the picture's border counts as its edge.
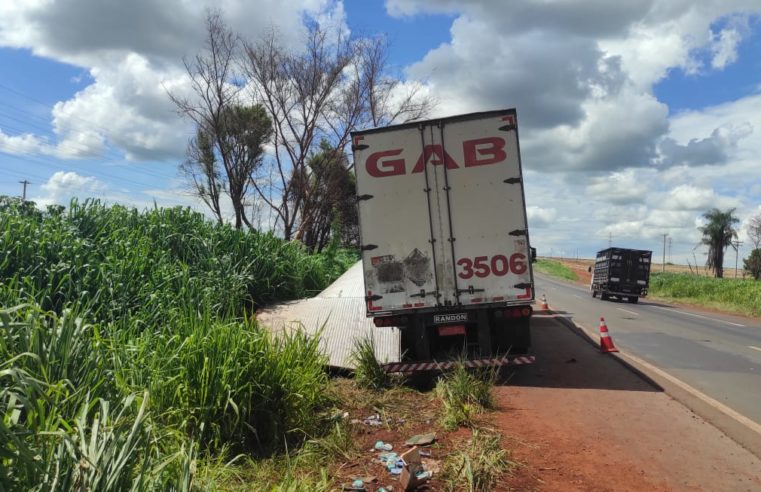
(368, 372)
(464, 395)
(476, 467)
(125, 351)
(739, 295)
(119, 263)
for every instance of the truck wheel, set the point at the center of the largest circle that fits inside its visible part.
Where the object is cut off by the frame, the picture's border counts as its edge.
(633, 300)
(604, 296)
(594, 293)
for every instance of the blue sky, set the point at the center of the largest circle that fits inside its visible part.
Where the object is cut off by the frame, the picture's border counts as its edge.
(635, 118)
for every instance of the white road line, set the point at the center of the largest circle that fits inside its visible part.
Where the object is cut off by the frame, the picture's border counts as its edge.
(678, 382)
(627, 311)
(574, 295)
(698, 316)
(754, 347)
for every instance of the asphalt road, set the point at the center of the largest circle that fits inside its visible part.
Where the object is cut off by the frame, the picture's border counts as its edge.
(717, 354)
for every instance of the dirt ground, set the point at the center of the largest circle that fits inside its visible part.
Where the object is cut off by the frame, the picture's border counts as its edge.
(574, 420)
(580, 420)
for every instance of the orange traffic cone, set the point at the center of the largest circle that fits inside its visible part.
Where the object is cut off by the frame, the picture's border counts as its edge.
(606, 343)
(544, 306)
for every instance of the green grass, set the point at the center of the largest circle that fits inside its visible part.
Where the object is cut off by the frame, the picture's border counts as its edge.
(555, 269)
(464, 395)
(739, 296)
(127, 358)
(368, 372)
(478, 466)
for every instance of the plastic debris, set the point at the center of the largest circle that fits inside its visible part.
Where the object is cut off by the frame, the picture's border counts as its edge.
(421, 439)
(383, 446)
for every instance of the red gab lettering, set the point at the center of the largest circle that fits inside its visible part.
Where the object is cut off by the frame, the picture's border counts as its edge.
(380, 169)
(477, 152)
(491, 146)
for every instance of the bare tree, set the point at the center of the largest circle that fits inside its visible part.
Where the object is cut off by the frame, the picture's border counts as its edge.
(321, 93)
(202, 169)
(754, 231)
(228, 146)
(387, 99)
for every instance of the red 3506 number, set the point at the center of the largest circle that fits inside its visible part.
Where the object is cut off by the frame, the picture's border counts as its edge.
(499, 265)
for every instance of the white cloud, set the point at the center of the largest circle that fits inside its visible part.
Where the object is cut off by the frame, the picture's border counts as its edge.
(540, 217)
(62, 186)
(688, 197)
(133, 51)
(624, 187)
(725, 48)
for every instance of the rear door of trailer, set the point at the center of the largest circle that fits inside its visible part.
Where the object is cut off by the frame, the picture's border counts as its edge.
(442, 213)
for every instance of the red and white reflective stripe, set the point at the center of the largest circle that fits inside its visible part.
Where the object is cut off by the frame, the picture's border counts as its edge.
(430, 365)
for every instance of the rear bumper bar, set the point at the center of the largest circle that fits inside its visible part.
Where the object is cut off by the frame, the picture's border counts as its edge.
(408, 367)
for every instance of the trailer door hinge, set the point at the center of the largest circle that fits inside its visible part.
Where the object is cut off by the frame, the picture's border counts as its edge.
(508, 127)
(523, 286)
(374, 297)
(518, 232)
(357, 147)
(363, 197)
(513, 180)
(368, 247)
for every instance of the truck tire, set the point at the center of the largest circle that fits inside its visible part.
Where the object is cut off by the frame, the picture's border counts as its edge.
(594, 293)
(633, 300)
(604, 296)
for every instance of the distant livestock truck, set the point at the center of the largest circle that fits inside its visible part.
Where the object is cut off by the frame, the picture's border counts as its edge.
(621, 273)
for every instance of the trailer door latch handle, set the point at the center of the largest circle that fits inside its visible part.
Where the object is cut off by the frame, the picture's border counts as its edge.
(469, 290)
(523, 286)
(423, 293)
(374, 297)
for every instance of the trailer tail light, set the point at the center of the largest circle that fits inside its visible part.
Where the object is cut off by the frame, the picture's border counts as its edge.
(446, 331)
(390, 321)
(518, 312)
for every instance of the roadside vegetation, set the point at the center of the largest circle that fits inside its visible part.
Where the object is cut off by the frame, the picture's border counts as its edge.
(129, 355)
(555, 268)
(130, 358)
(741, 296)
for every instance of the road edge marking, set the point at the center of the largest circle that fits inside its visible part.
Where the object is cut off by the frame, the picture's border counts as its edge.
(717, 405)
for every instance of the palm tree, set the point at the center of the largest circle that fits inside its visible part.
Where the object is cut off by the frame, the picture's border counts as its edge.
(717, 235)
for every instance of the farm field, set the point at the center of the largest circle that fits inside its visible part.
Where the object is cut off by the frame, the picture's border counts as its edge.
(677, 285)
(129, 354)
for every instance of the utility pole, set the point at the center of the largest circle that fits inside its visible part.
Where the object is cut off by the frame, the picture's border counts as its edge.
(737, 245)
(23, 193)
(610, 239)
(671, 258)
(663, 267)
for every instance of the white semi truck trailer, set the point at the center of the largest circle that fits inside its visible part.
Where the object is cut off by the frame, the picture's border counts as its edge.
(444, 238)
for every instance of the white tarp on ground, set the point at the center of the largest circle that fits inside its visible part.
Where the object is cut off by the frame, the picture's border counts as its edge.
(341, 309)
